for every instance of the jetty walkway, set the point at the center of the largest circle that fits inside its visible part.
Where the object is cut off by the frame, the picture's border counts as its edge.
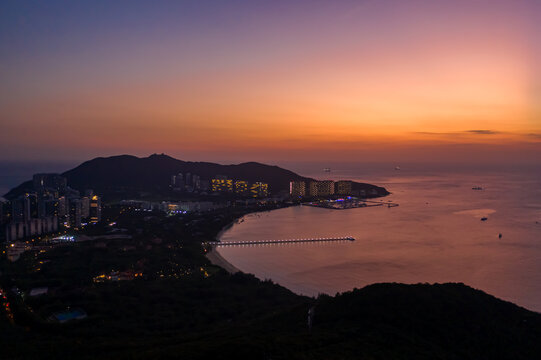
(286, 241)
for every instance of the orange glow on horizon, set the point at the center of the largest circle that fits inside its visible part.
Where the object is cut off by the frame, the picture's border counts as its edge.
(347, 80)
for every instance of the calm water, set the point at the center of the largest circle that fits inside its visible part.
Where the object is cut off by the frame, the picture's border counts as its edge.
(13, 173)
(435, 235)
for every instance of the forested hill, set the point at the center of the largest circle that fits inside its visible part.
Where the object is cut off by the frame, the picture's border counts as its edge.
(153, 173)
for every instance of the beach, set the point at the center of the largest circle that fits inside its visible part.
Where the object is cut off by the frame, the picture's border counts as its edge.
(216, 259)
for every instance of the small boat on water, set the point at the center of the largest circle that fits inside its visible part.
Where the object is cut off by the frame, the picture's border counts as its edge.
(477, 188)
(327, 169)
(484, 218)
(397, 168)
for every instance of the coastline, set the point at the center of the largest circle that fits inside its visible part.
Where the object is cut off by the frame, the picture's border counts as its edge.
(217, 259)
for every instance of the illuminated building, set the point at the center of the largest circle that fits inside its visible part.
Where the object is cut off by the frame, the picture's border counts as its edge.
(312, 188)
(221, 185)
(259, 189)
(95, 209)
(241, 187)
(297, 188)
(344, 187)
(63, 213)
(50, 208)
(322, 188)
(325, 188)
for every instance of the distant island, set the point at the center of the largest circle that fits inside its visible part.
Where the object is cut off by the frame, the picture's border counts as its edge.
(126, 176)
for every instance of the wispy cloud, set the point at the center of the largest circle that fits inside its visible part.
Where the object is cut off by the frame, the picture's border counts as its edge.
(463, 132)
(484, 132)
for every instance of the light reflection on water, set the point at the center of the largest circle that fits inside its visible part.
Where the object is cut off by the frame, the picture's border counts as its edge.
(435, 235)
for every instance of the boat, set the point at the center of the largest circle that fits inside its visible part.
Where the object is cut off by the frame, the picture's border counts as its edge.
(397, 168)
(477, 188)
(327, 169)
(484, 218)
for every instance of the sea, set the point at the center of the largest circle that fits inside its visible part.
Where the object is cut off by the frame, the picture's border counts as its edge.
(435, 235)
(13, 173)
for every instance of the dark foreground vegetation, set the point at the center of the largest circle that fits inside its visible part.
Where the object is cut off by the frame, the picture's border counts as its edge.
(181, 306)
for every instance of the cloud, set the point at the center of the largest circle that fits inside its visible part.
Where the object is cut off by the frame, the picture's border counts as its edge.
(463, 132)
(436, 133)
(484, 132)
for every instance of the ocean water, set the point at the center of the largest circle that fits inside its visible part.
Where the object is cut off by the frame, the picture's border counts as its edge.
(434, 235)
(13, 173)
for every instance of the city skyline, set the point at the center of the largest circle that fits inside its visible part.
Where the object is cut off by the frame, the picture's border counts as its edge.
(237, 81)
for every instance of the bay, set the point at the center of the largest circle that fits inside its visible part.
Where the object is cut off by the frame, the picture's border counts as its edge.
(435, 235)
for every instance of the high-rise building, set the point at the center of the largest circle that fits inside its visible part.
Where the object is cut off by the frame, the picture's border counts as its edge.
(51, 208)
(20, 209)
(219, 185)
(33, 205)
(196, 181)
(204, 185)
(312, 188)
(343, 187)
(241, 188)
(321, 188)
(4, 215)
(85, 207)
(75, 212)
(297, 188)
(63, 210)
(49, 181)
(325, 188)
(259, 189)
(95, 209)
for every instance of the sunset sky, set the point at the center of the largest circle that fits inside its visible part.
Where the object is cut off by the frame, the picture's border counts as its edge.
(267, 80)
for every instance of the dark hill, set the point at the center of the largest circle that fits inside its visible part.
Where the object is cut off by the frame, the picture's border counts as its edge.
(386, 321)
(129, 173)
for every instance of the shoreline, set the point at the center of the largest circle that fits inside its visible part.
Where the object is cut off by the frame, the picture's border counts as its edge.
(217, 259)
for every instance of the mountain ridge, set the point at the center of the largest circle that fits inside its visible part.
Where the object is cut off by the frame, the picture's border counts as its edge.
(130, 173)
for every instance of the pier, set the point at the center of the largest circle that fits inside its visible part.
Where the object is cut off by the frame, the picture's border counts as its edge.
(285, 241)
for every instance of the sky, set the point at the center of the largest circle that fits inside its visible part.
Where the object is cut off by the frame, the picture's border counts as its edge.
(233, 81)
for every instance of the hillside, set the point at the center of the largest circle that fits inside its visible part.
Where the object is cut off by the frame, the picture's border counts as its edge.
(129, 173)
(384, 321)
